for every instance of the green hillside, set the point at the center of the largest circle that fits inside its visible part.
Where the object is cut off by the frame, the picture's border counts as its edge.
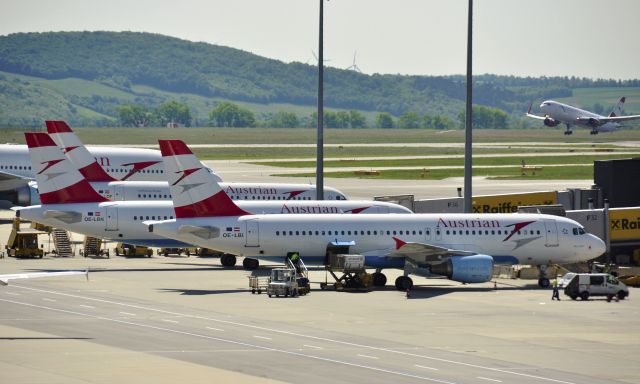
(83, 76)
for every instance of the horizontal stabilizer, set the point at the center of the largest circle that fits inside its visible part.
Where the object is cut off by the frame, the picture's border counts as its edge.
(203, 232)
(68, 217)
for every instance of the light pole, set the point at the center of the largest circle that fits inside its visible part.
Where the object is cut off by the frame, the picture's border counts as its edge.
(468, 133)
(320, 142)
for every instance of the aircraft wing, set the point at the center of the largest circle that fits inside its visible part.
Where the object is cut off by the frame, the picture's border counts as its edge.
(4, 175)
(203, 232)
(606, 119)
(422, 253)
(4, 279)
(533, 116)
(68, 217)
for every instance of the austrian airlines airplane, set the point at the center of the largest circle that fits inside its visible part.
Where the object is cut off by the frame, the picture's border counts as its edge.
(113, 189)
(69, 202)
(556, 113)
(16, 174)
(462, 247)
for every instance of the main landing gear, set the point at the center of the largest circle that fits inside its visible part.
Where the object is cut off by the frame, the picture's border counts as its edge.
(543, 280)
(379, 279)
(403, 283)
(228, 260)
(250, 264)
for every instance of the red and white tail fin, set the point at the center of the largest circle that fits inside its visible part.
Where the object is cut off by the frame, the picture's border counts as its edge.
(195, 191)
(619, 108)
(75, 150)
(59, 182)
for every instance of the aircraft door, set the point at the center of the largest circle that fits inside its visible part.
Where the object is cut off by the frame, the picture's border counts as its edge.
(118, 193)
(551, 228)
(253, 233)
(111, 218)
(427, 233)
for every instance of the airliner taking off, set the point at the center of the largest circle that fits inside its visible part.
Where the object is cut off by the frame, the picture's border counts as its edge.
(462, 247)
(556, 113)
(69, 202)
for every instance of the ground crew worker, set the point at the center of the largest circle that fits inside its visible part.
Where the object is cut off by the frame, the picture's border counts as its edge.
(556, 293)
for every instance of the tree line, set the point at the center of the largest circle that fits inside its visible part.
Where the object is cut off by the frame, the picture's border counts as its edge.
(231, 115)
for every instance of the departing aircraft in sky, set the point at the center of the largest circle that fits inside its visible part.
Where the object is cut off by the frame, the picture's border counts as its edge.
(462, 247)
(69, 202)
(555, 113)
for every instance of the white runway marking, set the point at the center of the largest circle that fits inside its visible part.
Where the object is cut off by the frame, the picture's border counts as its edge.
(488, 379)
(170, 321)
(12, 294)
(311, 346)
(425, 367)
(128, 313)
(368, 357)
(87, 306)
(215, 329)
(368, 367)
(382, 349)
(262, 337)
(48, 299)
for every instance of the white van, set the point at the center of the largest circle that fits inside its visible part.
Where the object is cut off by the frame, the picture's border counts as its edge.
(595, 284)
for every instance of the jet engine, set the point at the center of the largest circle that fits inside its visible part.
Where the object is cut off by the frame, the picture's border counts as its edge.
(593, 122)
(549, 122)
(466, 269)
(22, 195)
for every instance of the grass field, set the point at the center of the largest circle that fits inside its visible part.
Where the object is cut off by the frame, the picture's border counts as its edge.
(513, 143)
(145, 136)
(511, 173)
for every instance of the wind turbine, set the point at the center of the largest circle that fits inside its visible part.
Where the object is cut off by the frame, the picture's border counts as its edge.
(354, 66)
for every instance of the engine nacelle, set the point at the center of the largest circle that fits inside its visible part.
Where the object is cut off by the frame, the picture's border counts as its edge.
(549, 122)
(466, 269)
(593, 122)
(23, 195)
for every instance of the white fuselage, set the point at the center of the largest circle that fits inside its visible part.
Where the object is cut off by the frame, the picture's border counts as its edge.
(135, 164)
(568, 114)
(123, 220)
(159, 190)
(546, 239)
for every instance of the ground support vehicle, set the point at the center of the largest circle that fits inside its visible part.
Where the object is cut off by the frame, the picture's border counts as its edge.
(258, 283)
(23, 242)
(354, 275)
(128, 250)
(283, 282)
(585, 285)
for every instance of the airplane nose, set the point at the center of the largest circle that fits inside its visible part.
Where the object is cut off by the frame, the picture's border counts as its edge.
(598, 247)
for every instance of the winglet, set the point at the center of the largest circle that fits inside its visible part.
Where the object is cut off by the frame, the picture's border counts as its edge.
(530, 106)
(194, 190)
(59, 181)
(399, 243)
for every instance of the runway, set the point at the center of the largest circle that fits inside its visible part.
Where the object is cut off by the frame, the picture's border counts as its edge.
(187, 312)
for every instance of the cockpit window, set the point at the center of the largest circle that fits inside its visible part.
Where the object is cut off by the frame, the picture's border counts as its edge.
(579, 231)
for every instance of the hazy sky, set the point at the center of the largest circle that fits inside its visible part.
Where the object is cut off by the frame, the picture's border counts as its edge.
(592, 38)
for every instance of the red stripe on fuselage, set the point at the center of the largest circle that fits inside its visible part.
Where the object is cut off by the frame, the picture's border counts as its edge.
(137, 167)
